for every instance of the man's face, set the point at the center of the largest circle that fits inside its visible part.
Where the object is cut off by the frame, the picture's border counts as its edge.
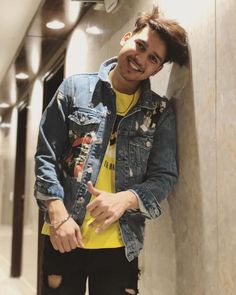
(141, 56)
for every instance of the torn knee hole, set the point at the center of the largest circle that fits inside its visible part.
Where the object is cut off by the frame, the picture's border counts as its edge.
(54, 281)
(130, 291)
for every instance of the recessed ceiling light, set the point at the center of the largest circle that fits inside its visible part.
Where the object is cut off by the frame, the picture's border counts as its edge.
(55, 25)
(94, 30)
(4, 105)
(22, 76)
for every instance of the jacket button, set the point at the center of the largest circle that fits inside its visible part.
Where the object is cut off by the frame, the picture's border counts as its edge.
(148, 144)
(80, 200)
(98, 141)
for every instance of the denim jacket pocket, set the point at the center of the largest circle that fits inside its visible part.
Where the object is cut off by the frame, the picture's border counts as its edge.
(83, 126)
(139, 151)
(84, 120)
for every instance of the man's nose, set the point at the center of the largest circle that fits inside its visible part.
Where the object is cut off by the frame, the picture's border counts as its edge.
(140, 59)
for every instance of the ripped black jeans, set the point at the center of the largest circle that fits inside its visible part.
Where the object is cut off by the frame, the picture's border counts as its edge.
(107, 270)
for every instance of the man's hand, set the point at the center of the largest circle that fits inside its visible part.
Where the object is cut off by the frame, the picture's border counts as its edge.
(68, 235)
(109, 207)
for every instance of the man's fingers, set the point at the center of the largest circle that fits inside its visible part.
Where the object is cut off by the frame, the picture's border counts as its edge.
(66, 245)
(79, 240)
(92, 189)
(67, 237)
(57, 244)
(53, 243)
(99, 219)
(97, 212)
(73, 241)
(105, 225)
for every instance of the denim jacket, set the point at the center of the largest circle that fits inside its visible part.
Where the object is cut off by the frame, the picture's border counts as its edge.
(74, 132)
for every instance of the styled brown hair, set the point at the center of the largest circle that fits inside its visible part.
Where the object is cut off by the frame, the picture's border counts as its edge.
(174, 36)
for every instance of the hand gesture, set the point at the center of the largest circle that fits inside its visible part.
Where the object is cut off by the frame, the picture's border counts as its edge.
(107, 208)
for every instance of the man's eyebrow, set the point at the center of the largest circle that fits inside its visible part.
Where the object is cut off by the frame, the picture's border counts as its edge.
(155, 53)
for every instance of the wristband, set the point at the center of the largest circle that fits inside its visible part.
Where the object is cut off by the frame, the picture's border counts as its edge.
(56, 224)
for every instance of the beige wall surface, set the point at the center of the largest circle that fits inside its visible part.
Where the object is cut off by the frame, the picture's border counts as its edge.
(29, 268)
(226, 143)
(190, 249)
(33, 119)
(7, 166)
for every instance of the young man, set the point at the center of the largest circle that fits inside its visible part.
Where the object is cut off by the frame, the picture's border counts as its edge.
(106, 158)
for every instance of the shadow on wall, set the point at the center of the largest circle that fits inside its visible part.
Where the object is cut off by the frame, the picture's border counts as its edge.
(186, 200)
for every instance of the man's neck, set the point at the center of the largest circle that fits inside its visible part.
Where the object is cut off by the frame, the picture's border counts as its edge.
(121, 84)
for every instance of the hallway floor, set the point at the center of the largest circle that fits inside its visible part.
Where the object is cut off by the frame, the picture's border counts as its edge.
(25, 284)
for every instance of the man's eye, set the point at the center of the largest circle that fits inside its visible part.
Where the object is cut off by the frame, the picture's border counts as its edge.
(154, 59)
(140, 46)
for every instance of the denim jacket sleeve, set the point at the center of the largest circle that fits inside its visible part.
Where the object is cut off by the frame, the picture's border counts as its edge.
(162, 172)
(52, 139)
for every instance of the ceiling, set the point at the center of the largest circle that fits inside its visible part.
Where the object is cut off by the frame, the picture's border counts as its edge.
(27, 44)
(15, 17)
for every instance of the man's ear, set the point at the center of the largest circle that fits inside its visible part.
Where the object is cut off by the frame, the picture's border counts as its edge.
(157, 70)
(126, 37)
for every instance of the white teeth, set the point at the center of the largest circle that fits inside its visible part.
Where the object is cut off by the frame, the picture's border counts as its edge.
(133, 66)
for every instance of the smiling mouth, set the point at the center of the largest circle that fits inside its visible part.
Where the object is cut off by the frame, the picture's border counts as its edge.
(134, 65)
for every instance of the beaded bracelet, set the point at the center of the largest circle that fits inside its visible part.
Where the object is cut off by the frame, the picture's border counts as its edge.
(56, 224)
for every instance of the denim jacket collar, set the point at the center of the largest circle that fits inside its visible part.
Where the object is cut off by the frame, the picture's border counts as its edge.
(105, 68)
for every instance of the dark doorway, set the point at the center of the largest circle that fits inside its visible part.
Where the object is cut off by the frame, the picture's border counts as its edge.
(51, 84)
(19, 190)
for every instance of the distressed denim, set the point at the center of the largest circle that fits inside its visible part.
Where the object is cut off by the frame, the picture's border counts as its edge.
(74, 132)
(107, 270)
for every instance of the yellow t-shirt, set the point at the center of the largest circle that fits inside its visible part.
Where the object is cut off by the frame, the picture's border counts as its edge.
(111, 237)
